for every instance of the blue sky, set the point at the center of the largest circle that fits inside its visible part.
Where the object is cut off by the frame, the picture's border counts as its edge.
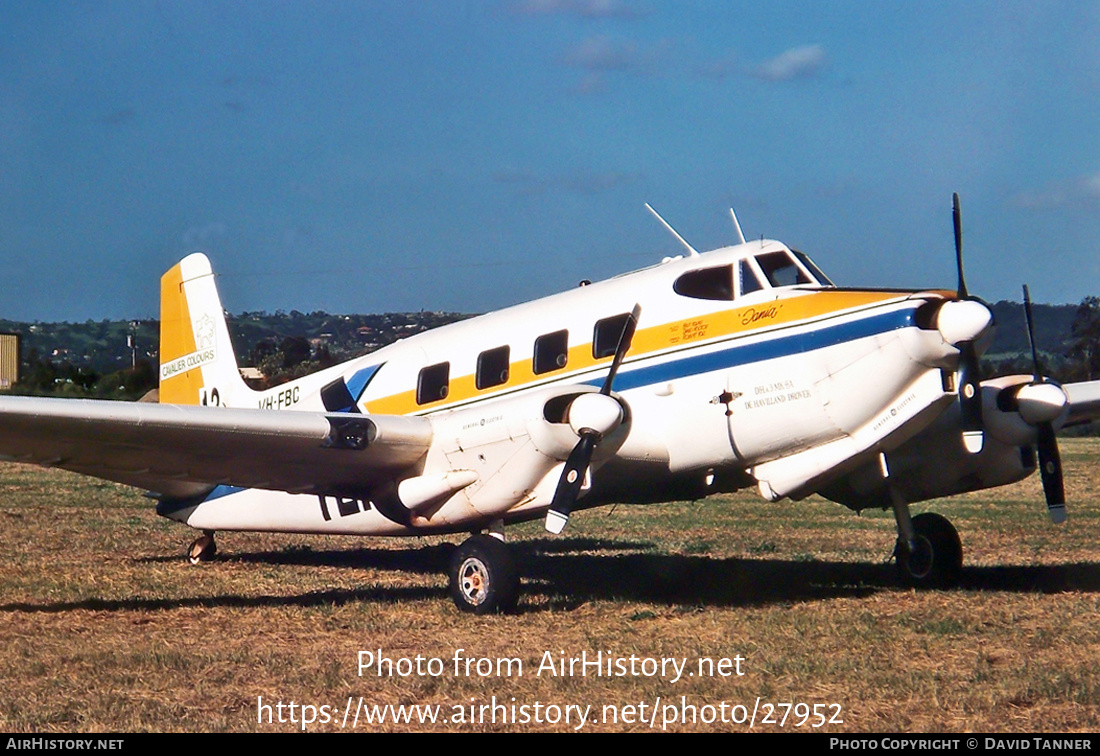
(373, 156)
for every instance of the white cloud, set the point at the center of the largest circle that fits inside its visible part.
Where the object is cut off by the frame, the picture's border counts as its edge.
(1074, 192)
(527, 184)
(584, 8)
(603, 59)
(797, 63)
(592, 83)
(602, 54)
(203, 237)
(1091, 186)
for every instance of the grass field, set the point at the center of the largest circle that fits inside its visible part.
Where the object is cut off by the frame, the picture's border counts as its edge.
(105, 627)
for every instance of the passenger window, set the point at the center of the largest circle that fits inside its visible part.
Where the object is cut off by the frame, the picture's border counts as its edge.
(706, 283)
(551, 352)
(605, 337)
(433, 383)
(749, 280)
(492, 367)
(781, 270)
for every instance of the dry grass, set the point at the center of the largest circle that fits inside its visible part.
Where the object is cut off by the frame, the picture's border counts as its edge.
(104, 626)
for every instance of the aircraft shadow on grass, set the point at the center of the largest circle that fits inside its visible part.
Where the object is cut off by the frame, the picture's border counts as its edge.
(570, 571)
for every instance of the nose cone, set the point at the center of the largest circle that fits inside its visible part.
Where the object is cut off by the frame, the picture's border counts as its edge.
(597, 412)
(1041, 402)
(964, 320)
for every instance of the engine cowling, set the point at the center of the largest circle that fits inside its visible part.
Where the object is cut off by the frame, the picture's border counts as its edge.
(489, 461)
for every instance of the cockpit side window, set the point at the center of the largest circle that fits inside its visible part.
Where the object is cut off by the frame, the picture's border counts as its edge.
(749, 280)
(706, 283)
(781, 270)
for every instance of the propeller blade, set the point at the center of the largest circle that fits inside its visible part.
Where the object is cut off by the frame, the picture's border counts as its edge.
(569, 485)
(970, 398)
(1050, 470)
(970, 393)
(621, 349)
(974, 437)
(957, 215)
(1036, 371)
(576, 465)
(1050, 461)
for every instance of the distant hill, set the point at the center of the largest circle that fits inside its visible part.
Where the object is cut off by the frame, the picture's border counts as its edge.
(102, 346)
(95, 358)
(1052, 328)
(285, 345)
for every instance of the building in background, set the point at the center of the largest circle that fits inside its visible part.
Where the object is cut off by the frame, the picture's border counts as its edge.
(10, 359)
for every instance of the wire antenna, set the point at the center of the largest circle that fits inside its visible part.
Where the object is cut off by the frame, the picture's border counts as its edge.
(737, 227)
(671, 230)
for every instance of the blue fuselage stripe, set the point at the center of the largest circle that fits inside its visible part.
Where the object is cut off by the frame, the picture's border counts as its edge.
(744, 354)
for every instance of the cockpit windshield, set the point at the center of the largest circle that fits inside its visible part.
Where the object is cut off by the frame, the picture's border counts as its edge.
(781, 270)
(814, 270)
(763, 271)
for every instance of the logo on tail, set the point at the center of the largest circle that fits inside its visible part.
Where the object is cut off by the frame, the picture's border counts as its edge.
(196, 354)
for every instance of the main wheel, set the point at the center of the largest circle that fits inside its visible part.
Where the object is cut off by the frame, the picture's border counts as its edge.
(203, 548)
(937, 560)
(483, 576)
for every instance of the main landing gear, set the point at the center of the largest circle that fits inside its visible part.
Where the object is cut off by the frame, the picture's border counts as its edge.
(203, 548)
(483, 576)
(928, 550)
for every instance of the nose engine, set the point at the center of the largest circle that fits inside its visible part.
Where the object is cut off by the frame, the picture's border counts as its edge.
(963, 321)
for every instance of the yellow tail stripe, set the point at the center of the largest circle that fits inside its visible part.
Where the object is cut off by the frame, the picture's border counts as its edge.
(177, 339)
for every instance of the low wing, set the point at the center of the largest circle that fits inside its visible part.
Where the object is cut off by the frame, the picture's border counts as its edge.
(1084, 401)
(180, 451)
(934, 463)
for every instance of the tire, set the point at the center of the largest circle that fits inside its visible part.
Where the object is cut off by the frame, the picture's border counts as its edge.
(202, 549)
(937, 561)
(483, 576)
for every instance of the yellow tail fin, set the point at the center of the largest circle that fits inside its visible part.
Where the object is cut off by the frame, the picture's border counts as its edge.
(197, 363)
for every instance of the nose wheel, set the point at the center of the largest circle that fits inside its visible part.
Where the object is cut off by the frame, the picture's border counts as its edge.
(483, 576)
(933, 557)
(203, 548)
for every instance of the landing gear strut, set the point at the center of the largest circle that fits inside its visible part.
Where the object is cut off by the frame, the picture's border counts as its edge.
(203, 548)
(483, 576)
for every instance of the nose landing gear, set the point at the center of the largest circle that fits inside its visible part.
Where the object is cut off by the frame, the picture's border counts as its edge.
(203, 548)
(930, 556)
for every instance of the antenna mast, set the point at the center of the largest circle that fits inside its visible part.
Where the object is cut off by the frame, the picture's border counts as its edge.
(737, 226)
(671, 230)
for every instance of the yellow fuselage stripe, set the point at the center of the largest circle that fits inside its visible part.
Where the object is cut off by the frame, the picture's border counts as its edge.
(654, 339)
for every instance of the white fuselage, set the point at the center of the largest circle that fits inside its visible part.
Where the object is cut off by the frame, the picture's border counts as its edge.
(744, 370)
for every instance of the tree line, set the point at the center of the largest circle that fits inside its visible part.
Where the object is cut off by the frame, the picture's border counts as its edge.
(118, 359)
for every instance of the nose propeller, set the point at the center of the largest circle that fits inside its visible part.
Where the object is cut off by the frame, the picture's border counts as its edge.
(595, 418)
(970, 395)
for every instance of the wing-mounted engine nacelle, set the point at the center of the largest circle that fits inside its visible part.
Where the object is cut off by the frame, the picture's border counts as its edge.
(932, 465)
(936, 463)
(1015, 406)
(488, 461)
